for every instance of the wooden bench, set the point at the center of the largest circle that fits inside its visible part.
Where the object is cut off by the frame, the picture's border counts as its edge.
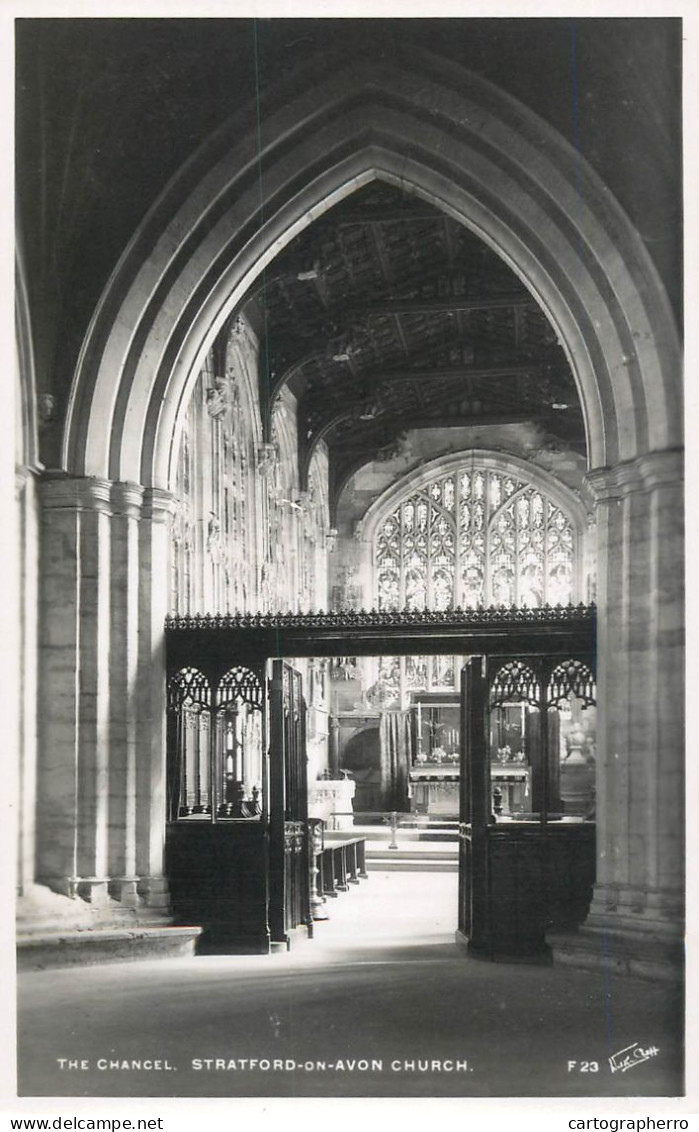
(340, 864)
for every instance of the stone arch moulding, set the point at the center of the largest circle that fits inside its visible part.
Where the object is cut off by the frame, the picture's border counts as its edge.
(26, 443)
(444, 134)
(501, 462)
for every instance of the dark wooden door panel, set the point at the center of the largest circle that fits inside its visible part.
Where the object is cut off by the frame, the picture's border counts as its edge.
(290, 898)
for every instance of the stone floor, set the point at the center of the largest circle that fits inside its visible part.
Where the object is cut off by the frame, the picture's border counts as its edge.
(382, 982)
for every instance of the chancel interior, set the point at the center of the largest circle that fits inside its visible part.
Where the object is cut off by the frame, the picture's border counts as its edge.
(349, 483)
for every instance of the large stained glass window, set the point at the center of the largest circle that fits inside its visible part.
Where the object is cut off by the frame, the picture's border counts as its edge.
(475, 536)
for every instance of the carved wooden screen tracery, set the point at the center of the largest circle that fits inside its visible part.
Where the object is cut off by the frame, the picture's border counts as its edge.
(239, 739)
(542, 736)
(215, 745)
(189, 707)
(571, 679)
(515, 682)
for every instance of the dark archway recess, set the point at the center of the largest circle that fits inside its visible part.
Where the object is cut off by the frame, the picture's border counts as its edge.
(361, 756)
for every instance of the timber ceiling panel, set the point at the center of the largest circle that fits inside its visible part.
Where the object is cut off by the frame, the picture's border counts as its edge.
(386, 315)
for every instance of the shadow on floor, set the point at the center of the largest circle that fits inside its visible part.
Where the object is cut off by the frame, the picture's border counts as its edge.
(380, 1004)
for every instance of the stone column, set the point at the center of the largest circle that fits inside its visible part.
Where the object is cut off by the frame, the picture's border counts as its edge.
(636, 915)
(74, 650)
(334, 747)
(154, 547)
(27, 593)
(101, 744)
(125, 678)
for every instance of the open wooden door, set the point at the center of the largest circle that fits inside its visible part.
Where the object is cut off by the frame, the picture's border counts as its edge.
(289, 887)
(524, 871)
(474, 808)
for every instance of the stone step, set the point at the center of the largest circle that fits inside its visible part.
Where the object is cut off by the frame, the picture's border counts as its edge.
(413, 853)
(412, 865)
(446, 831)
(628, 953)
(429, 826)
(83, 948)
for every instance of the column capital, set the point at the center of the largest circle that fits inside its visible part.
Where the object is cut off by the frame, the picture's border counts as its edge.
(662, 469)
(61, 492)
(158, 505)
(644, 474)
(127, 499)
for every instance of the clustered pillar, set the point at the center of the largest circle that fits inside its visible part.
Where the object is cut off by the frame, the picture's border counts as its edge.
(640, 778)
(101, 748)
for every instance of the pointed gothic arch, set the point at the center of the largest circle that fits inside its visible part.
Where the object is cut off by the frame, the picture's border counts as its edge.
(488, 162)
(26, 430)
(454, 140)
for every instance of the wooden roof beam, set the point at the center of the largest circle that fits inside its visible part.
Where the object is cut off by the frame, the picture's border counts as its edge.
(443, 306)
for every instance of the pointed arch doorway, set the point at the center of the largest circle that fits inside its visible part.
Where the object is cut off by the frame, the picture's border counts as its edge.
(493, 166)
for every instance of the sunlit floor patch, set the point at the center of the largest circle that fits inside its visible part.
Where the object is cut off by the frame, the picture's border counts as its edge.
(381, 982)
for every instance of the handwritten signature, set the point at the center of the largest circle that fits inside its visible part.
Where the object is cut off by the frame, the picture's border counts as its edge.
(630, 1056)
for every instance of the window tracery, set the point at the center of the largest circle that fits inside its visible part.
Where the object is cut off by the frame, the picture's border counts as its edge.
(475, 535)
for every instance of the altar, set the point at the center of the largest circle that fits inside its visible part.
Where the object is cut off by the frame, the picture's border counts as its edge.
(434, 790)
(433, 780)
(331, 801)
